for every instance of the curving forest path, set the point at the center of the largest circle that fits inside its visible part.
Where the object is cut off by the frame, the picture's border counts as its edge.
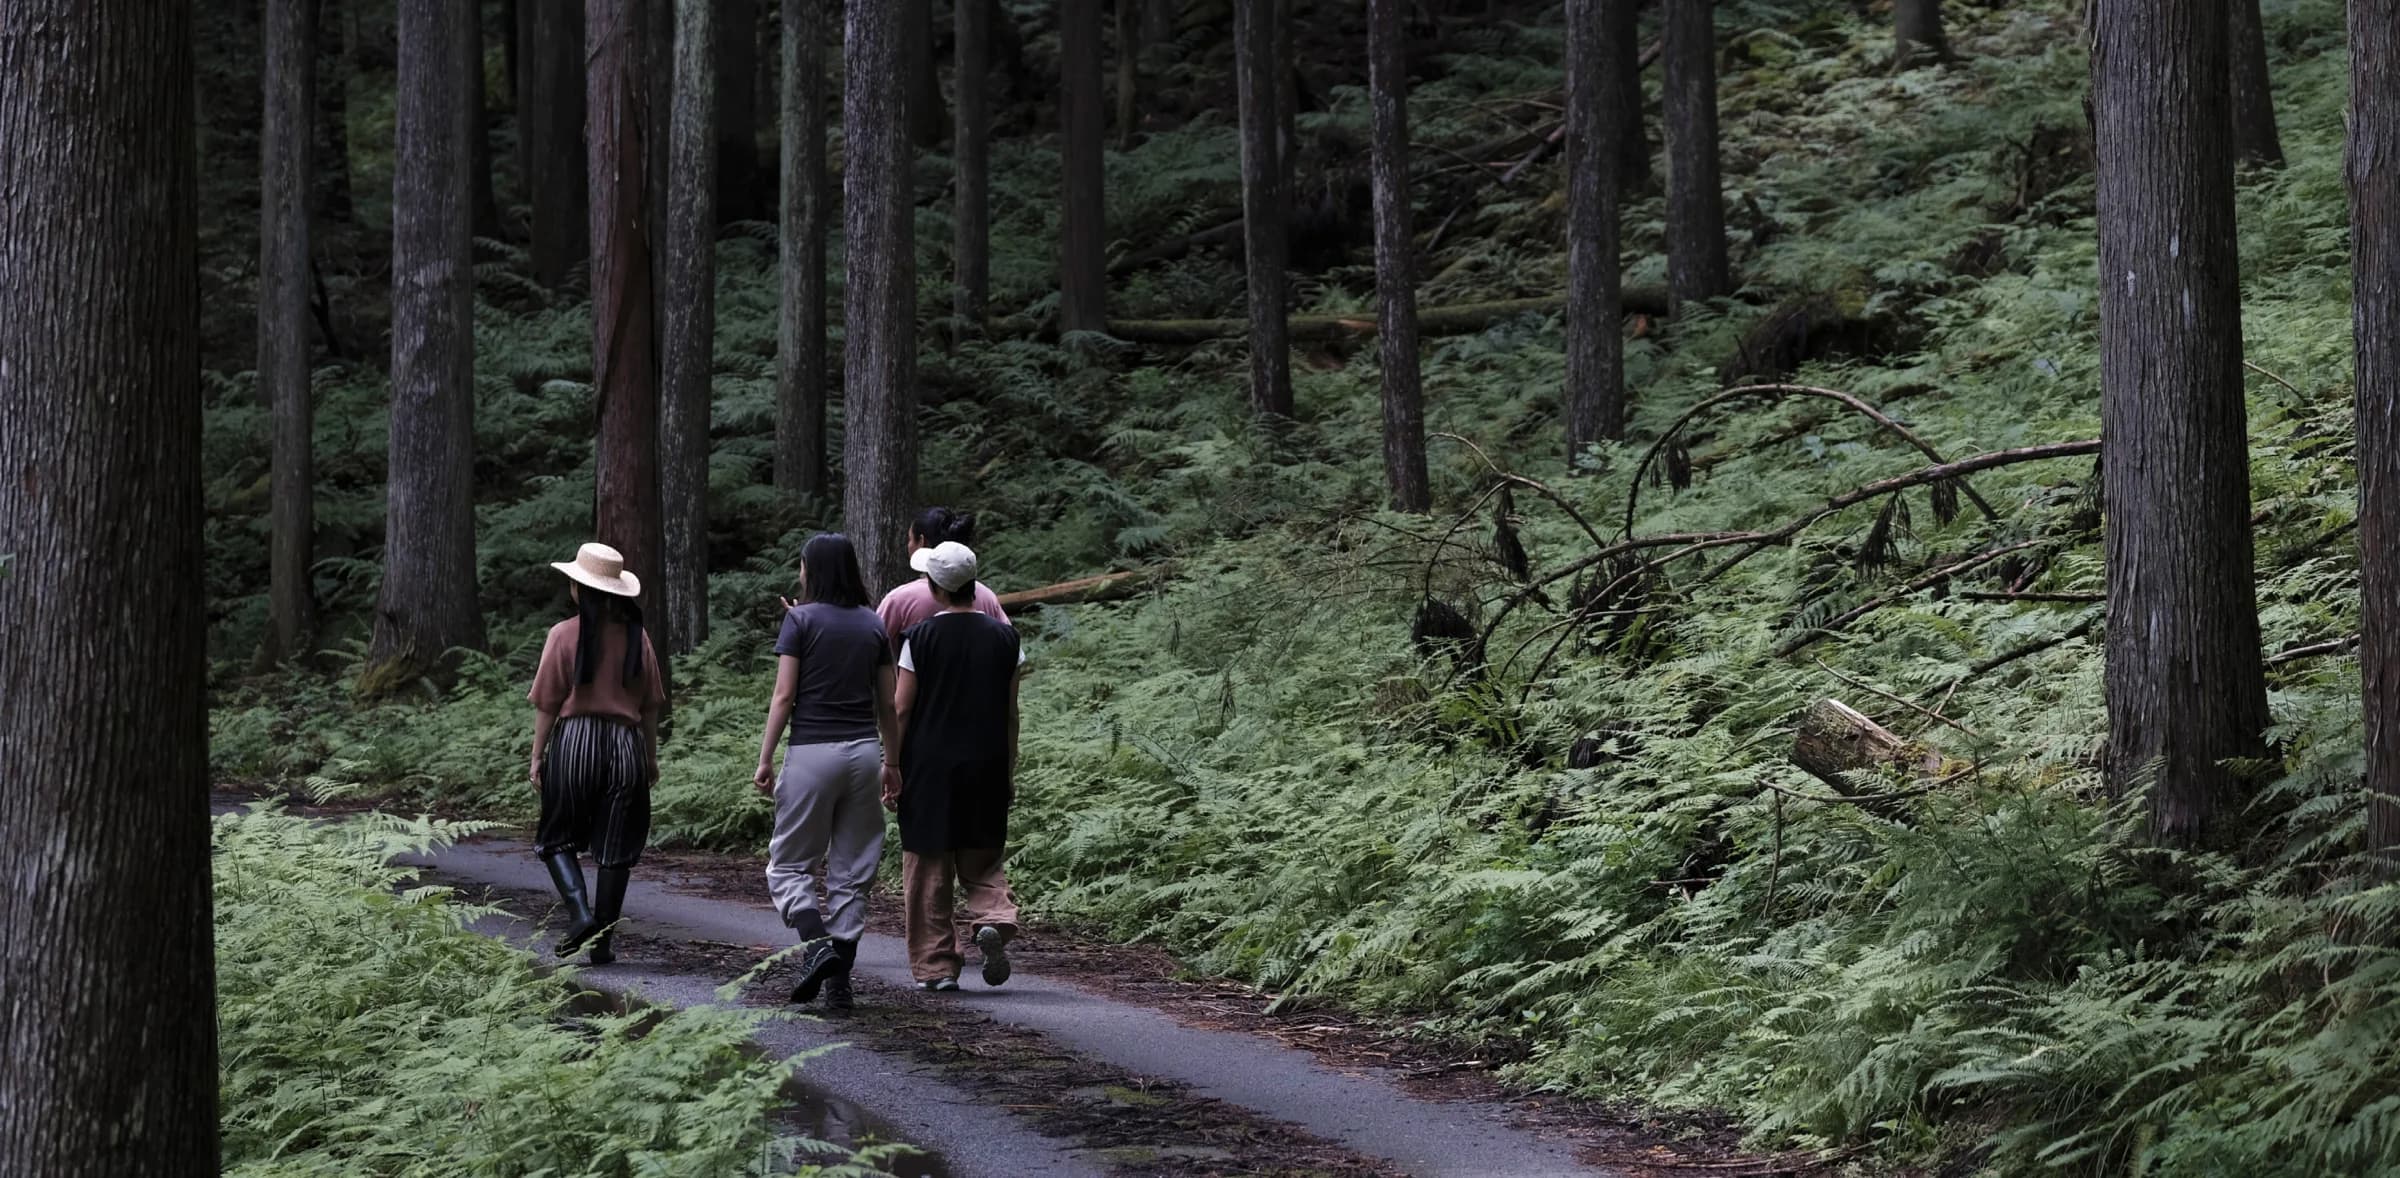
(1043, 1076)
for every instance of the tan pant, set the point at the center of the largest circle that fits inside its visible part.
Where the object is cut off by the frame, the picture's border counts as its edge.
(938, 936)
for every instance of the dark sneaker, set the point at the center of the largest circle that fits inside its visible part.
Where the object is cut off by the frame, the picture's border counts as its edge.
(939, 985)
(820, 963)
(994, 944)
(838, 995)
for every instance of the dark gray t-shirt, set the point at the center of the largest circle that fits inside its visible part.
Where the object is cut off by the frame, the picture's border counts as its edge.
(841, 650)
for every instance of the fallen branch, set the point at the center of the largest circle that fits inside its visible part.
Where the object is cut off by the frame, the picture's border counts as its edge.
(1911, 705)
(1084, 590)
(1633, 491)
(1456, 319)
(1813, 635)
(2084, 598)
(2294, 654)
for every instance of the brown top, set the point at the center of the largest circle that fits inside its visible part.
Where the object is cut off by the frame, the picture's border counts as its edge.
(555, 688)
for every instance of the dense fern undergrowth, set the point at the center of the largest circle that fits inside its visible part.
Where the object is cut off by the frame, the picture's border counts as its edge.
(1256, 766)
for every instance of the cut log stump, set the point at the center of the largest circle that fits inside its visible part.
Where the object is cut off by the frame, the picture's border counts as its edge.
(1834, 739)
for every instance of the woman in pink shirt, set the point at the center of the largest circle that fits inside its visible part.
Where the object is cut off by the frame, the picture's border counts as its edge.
(914, 602)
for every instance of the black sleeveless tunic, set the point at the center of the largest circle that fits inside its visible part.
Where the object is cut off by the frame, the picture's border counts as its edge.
(955, 785)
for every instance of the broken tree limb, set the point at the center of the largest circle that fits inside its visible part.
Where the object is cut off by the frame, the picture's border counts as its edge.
(1457, 319)
(1085, 590)
(1834, 739)
(1806, 638)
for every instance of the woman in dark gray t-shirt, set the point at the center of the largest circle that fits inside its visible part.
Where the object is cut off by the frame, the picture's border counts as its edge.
(833, 696)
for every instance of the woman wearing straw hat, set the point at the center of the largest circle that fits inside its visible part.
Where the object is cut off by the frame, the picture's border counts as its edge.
(596, 698)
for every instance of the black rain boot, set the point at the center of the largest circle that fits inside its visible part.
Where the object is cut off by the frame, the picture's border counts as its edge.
(566, 874)
(838, 995)
(607, 907)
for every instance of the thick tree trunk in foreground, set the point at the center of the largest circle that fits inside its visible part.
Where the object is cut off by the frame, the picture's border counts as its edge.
(1265, 204)
(624, 332)
(1917, 34)
(550, 118)
(287, 191)
(971, 213)
(1595, 391)
(1696, 266)
(332, 154)
(105, 941)
(807, 203)
(1395, 261)
(2375, 280)
(739, 195)
(2185, 687)
(1083, 244)
(485, 197)
(879, 437)
(429, 603)
(689, 323)
(2255, 140)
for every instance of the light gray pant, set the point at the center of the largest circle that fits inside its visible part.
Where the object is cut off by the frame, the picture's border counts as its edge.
(829, 807)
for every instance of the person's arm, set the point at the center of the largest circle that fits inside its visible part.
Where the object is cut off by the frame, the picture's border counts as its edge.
(904, 698)
(650, 741)
(1014, 684)
(779, 713)
(544, 719)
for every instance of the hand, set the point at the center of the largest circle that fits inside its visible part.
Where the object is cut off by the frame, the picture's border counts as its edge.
(535, 774)
(650, 767)
(764, 779)
(788, 604)
(891, 787)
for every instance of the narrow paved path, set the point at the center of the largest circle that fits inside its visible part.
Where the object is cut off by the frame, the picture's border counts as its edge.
(1364, 1110)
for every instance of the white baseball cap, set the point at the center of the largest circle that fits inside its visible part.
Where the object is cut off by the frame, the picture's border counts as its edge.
(950, 564)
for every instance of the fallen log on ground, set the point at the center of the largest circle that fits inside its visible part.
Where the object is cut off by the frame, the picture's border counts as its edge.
(1085, 590)
(1834, 739)
(1222, 233)
(1457, 319)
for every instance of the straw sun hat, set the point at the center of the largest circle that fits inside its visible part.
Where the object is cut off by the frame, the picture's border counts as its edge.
(598, 566)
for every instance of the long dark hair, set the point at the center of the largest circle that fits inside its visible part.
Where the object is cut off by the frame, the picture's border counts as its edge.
(594, 610)
(829, 568)
(936, 524)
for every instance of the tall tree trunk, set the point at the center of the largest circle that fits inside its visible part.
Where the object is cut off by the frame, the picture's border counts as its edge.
(689, 320)
(485, 197)
(1083, 236)
(2374, 165)
(1395, 261)
(1696, 266)
(1597, 53)
(1265, 205)
(928, 115)
(2185, 687)
(1287, 99)
(512, 28)
(2255, 139)
(285, 137)
(1633, 142)
(879, 435)
(971, 214)
(429, 605)
(105, 941)
(739, 195)
(550, 117)
(624, 331)
(332, 155)
(1129, 61)
(1917, 34)
(807, 204)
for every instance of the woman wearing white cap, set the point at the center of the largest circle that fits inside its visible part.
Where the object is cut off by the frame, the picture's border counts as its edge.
(596, 696)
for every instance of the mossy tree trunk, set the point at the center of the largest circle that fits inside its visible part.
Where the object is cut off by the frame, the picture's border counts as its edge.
(429, 605)
(806, 215)
(1265, 204)
(286, 194)
(105, 949)
(688, 320)
(2186, 690)
(1599, 48)
(2374, 166)
(1083, 244)
(1395, 261)
(879, 438)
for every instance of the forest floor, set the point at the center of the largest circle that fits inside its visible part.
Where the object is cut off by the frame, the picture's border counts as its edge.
(1097, 1058)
